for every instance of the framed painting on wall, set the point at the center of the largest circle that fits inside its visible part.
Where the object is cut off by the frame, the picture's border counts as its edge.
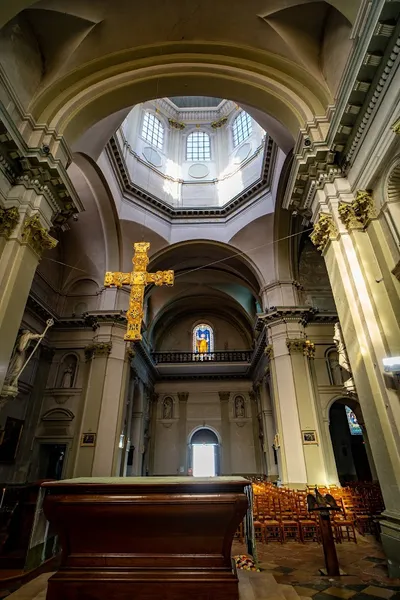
(88, 439)
(309, 437)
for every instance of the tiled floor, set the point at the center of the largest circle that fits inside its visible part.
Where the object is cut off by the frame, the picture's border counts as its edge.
(298, 565)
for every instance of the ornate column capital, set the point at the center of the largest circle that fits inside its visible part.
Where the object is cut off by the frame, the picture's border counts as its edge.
(9, 219)
(130, 353)
(358, 213)
(98, 350)
(183, 396)
(252, 396)
(324, 230)
(306, 347)
(396, 127)
(224, 396)
(36, 236)
(269, 351)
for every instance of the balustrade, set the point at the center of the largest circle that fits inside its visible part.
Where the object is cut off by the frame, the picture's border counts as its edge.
(197, 357)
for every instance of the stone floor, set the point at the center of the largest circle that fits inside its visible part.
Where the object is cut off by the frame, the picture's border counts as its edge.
(291, 572)
(298, 565)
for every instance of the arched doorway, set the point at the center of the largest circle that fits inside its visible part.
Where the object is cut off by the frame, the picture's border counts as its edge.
(204, 453)
(348, 442)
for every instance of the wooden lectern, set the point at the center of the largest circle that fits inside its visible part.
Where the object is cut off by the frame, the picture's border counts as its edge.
(145, 538)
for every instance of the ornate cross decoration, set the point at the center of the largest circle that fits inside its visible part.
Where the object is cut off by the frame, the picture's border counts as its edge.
(138, 279)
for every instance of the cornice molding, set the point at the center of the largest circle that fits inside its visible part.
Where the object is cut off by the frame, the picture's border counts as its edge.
(358, 103)
(137, 194)
(36, 167)
(286, 314)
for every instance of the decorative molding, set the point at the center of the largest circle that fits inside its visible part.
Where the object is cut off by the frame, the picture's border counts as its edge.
(183, 396)
(324, 230)
(36, 236)
(130, 353)
(358, 213)
(396, 127)
(219, 123)
(269, 351)
(137, 194)
(58, 414)
(286, 314)
(9, 219)
(306, 347)
(98, 350)
(224, 396)
(176, 124)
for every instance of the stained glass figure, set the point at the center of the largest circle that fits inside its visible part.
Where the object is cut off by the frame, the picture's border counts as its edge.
(203, 339)
(354, 426)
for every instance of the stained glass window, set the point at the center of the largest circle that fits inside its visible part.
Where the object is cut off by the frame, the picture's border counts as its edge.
(354, 426)
(198, 146)
(242, 128)
(153, 130)
(203, 339)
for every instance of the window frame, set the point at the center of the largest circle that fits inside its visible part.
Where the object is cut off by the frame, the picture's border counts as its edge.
(239, 129)
(191, 136)
(155, 138)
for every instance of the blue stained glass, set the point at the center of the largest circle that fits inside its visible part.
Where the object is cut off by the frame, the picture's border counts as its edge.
(354, 427)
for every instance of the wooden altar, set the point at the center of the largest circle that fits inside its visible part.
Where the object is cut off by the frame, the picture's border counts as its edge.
(145, 538)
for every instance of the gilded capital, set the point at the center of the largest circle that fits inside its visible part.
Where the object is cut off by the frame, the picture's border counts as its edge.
(224, 396)
(396, 127)
(295, 345)
(183, 396)
(36, 236)
(269, 351)
(176, 124)
(98, 350)
(9, 218)
(306, 347)
(358, 213)
(324, 230)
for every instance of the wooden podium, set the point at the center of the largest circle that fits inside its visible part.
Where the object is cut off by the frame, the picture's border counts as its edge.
(145, 538)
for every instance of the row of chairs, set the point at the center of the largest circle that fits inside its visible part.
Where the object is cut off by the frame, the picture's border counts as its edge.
(281, 514)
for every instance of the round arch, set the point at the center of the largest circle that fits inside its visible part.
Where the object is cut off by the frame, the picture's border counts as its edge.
(253, 77)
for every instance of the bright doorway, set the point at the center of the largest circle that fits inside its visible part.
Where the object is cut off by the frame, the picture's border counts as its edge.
(204, 453)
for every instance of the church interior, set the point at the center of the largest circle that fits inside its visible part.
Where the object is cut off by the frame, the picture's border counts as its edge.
(200, 271)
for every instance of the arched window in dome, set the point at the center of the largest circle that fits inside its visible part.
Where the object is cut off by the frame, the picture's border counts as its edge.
(153, 130)
(203, 339)
(198, 146)
(241, 128)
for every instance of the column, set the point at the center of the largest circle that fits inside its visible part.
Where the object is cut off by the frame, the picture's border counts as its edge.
(256, 432)
(23, 239)
(182, 425)
(126, 430)
(226, 466)
(269, 430)
(367, 297)
(137, 429)
(104, 400)
(153, 427)
(302, 352)
(290, 451)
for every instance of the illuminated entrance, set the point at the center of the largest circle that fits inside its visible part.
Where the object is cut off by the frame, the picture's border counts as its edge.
(204, 453)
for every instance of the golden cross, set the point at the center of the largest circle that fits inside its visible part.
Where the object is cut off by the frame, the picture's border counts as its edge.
(138, 279)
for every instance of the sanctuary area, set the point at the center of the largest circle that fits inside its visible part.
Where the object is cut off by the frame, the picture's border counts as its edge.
(200, 264)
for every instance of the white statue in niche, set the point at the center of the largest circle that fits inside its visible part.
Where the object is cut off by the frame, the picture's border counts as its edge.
(68, 377)
(239, 407)
(167, 408)
(18, 359)
(335, 368)
(343, 359)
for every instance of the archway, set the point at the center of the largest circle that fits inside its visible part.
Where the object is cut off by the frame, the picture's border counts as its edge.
(348, 442)
(204, 453)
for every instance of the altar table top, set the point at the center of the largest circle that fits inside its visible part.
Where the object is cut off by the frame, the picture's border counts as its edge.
(155, 484)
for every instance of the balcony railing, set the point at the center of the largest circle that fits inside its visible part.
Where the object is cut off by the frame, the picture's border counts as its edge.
(205, 357)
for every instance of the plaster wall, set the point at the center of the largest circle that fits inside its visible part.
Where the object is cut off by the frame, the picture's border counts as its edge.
(203, 409)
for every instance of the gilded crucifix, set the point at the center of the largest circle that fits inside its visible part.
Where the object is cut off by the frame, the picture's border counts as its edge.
(137, 279)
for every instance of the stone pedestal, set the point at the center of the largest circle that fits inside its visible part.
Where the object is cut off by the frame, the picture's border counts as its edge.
(145, 538)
